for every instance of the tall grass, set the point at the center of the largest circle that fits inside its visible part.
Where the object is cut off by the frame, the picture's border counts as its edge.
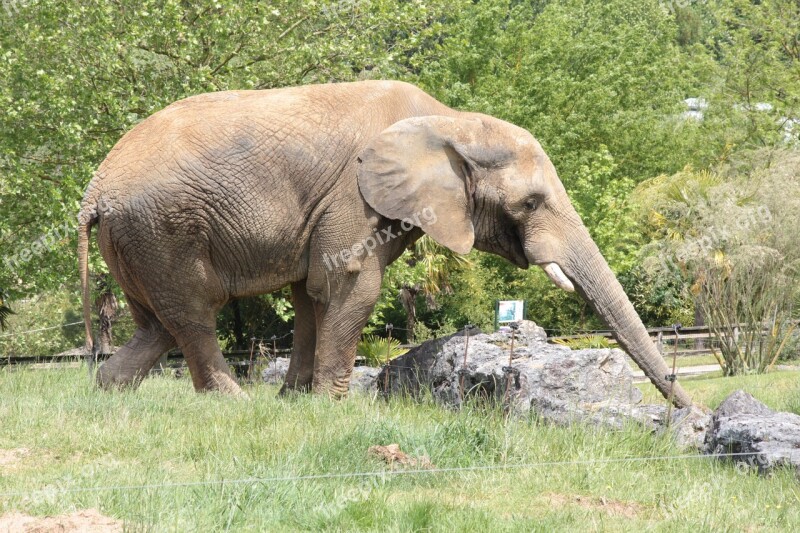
(164, 433)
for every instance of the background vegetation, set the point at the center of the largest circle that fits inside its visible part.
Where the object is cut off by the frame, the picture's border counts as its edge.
(601, 83)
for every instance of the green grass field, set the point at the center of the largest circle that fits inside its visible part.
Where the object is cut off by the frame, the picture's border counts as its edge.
(82, 443)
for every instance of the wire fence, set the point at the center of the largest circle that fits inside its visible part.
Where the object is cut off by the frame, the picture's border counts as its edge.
(27, 332)
(377, 473)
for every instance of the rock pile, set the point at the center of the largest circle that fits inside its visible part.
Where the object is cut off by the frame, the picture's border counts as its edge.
(562, 386)
(760, 437)
(553, 382)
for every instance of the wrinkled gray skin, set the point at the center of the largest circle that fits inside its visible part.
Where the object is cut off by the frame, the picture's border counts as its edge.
(239, 193)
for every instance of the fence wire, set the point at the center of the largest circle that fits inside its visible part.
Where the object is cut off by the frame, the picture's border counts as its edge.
(373, 473)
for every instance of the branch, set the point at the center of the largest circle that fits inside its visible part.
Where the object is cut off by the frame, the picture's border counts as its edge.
(291, 28)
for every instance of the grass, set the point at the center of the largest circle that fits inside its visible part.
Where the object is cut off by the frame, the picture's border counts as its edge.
(79, 437)
(779, 390)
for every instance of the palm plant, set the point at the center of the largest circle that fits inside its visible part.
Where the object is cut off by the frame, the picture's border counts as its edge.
(374, 349)
(435, 263)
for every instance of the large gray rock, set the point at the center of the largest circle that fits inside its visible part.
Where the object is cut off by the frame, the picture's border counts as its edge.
(765, 439)
(549, 381)
(411, 372)
(362, 380)
(275, 371)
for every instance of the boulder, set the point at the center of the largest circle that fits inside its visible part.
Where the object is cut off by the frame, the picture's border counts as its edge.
(410, 372)
(546, 380)
(275, 371)
(765, 439)
(362, 380)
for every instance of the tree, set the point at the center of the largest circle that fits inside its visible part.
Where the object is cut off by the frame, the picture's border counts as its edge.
(5, 311)
(77, 76)
(728, 239)
(106, 305)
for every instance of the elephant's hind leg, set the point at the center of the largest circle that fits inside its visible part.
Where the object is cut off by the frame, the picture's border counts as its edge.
(197, 339)
(301, 365)
(131, 363)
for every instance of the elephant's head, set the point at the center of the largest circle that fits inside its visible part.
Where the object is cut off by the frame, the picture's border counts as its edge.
(491, 186)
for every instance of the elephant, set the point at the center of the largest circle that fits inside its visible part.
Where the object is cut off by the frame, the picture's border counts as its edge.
(238, 193)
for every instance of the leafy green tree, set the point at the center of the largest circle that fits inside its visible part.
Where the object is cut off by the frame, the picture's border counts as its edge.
(77, 76)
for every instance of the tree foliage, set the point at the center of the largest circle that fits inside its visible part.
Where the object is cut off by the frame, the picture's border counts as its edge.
(600, 83)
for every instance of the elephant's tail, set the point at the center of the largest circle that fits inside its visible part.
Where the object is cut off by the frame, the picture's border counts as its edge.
(85, 222)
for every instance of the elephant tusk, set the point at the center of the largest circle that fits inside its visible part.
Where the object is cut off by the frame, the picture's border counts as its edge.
(558, 277)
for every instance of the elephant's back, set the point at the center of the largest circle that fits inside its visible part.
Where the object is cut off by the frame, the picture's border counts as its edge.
(266, 140)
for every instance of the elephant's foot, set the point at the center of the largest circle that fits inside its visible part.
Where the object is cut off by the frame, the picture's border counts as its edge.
(132, 362)
(295, 383)
(336, 389)
(110, 378)
(290, 390)
(220, 381)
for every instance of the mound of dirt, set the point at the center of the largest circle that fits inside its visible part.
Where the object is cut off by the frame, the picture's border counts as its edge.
(393, 455)
(86, 521)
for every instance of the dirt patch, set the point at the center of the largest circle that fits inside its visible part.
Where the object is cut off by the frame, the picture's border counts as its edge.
(87, 521)
(393, 455)
(11, 459)
(610, 507)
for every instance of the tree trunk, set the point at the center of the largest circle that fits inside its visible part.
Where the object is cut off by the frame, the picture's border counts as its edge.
(238, 326)
(408, 298)
(107, 312)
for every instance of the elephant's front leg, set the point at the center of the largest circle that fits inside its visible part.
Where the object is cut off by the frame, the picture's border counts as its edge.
(301, 364)
(340, 321)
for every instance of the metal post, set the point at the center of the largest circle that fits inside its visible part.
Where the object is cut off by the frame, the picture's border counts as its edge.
(672, 378)
(509, 370)
(389, 329)
(250, 367)
(464, 365)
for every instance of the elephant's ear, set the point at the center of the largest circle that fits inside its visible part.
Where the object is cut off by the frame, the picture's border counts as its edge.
(420, 169)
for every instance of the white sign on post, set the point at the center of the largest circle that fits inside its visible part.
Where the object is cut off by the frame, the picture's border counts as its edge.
(510, 311)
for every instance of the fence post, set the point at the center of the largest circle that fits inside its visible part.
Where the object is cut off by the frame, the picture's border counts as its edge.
(250, 366)
(464, 366)
(660, 342)
(672, 378)
(389, 329)
(509, 370)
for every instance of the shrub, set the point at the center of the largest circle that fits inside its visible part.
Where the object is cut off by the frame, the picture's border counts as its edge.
(374, 349)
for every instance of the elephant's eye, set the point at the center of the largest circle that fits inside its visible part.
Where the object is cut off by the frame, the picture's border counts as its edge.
(531, 204)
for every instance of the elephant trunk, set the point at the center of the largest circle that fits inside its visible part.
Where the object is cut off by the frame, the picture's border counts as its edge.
(598, 285)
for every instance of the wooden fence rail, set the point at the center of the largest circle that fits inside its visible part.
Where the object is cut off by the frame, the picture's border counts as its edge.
(691, 340)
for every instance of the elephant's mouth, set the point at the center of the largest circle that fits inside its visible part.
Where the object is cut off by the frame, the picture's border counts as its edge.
(557, 276)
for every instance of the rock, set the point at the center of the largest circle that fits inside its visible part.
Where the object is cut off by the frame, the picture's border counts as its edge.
(767, 439)
(363, 379)
(550, 381)
(276, 370)
(689, 426)
(410, 372)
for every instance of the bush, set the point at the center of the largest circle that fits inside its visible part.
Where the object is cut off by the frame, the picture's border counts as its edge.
(374, 349)
(729, 240)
